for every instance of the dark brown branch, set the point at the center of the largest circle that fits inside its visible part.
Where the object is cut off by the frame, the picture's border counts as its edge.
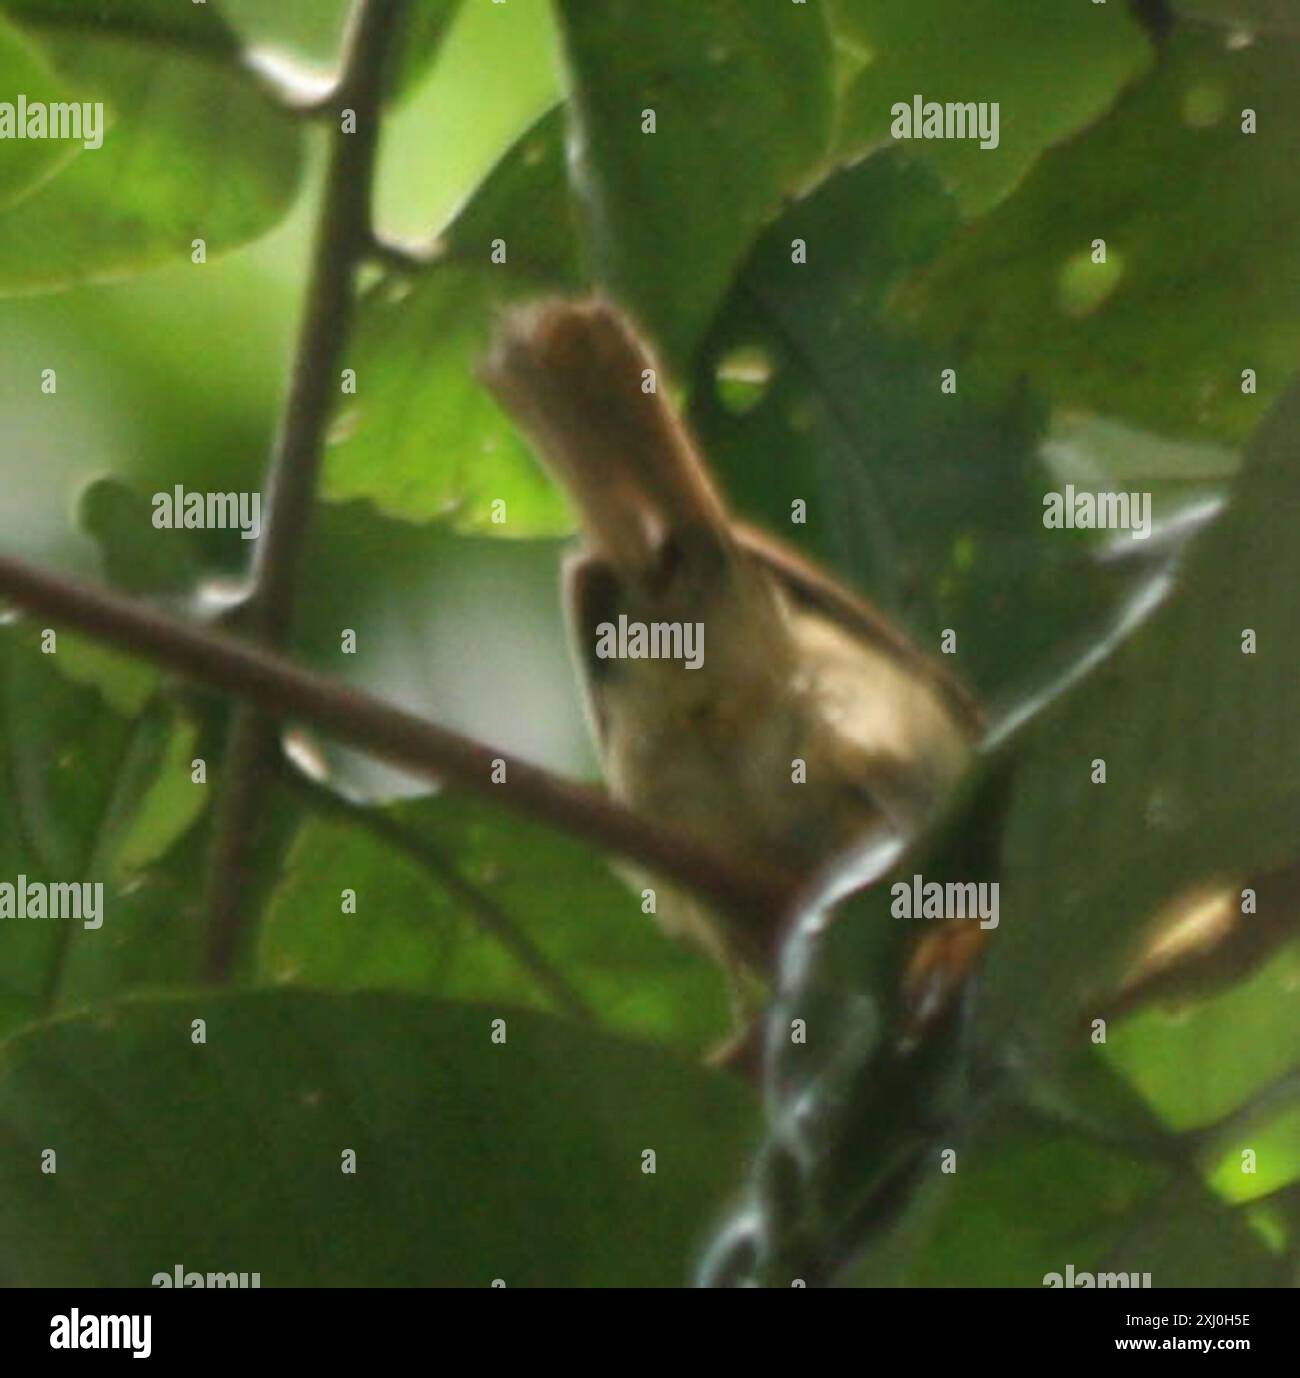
(342, 241)
(490, 917)
(754, 897)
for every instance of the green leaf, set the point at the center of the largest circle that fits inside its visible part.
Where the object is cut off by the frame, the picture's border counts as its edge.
(126, 683)
(475, 1160)
(741, 95)
(931, 502)
(140, 559)
(864, 1081)
(166, 801)
(1057, 1161)
(446, 139)
(23, 74)
(409, 932)
(137, 557)
(1202, 271)
(307, 32)
(419, 40)
(200, 30)
(1201, 744)
(1245, 16)
(1030, 1198)
(193, 148)
(1197, 1062)
(306, 36)
(90, 797)
(55, 778)
(153, 927)
(1262, 1155)
(422, 439)
(1050, 70)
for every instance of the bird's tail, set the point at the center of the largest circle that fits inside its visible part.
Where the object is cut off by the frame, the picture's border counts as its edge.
(586, 390)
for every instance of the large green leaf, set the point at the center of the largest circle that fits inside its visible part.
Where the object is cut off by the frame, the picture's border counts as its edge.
(928, 500)
(864, 1082)
(476, 1160)
(1200, 736)
(193, 149)
(1255, 1152)
(308, 32)
(200, 30)
(421, 438)
(305, 37)
(442, 143)
(1202, 271)
(1245, 16)
(137, 557)
(1198, 1061)
(1035, 1183)
(419, 40)
(22, 73)
(741, 95)
(56, 781)
(925, 1154)
(1050, 69)
(1030, 1198)
(94, 797)
(409, 932)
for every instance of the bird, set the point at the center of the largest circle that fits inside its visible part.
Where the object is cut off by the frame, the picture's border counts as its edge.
(779, 714)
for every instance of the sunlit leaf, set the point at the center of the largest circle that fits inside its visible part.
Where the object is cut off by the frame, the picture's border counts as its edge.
(193, 147)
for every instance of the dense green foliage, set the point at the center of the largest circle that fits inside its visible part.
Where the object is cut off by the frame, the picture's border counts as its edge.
(370, 1030)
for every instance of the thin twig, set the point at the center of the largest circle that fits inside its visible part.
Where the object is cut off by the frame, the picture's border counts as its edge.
(490, 917)
(342, 240)
(753, 896)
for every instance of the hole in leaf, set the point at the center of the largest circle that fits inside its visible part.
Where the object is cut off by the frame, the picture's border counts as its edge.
(1084, 285)
(743, 376)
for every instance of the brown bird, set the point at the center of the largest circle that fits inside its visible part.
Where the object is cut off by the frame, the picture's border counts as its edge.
(783, 717)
